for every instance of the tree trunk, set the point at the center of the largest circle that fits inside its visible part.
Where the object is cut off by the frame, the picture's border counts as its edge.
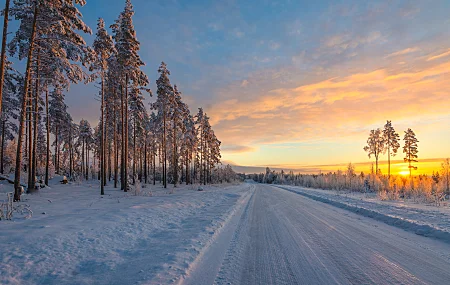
(389, 163)
(175, 154)
(30, 139)
(187, 169)
(202, 154)
(134, 151)
(376, 165)
(164, 149)
(87, 161)
(3, 52)
(116, 148)
(56, 150)
(105, 149)
(35, 122)
(141, 163)
(145, 160)
(109, 161)
(122, 153)
(126, 135)
(3, 146)
(102, 140)
(17, 186)
(83, 158)
(70, 154)
(154, 167)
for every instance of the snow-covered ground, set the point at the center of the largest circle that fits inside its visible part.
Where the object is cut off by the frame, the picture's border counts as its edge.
(229, 234)
(77, 236)
(422, 219)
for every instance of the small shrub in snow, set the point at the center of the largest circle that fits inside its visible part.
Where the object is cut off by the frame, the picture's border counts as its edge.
(8, 208)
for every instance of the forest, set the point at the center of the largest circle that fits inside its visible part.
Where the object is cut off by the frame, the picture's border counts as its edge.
(132, 141)
(386, 141)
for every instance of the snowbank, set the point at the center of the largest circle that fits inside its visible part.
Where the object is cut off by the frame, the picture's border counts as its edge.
(77, 236)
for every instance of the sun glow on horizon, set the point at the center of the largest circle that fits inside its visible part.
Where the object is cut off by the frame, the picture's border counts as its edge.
(404, 173)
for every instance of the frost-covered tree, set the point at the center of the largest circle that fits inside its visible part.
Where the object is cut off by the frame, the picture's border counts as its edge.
(9, 115)
(3, 59)
(85, 136)
(189, 144)
(24, 31)
(178, 110)
(375, 146)
(51, 26)
(209, 149)
(129, 65)
(214, 155)
(59, 121)
(139, 119)
(104, 48)
(200, 121)
(162, 105)
(410, 150)
(391, 141)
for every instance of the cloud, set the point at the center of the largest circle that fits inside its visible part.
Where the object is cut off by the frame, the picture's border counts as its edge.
(237, 148)
(342, 42)
(441, 55)
(403, 52)
(336, 108)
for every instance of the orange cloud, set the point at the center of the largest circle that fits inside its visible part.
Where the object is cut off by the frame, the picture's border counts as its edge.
(337, 107)
(237, 148)
(403, 52)
(441, 55)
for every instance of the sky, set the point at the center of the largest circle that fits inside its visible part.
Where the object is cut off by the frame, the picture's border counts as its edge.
(297, 84)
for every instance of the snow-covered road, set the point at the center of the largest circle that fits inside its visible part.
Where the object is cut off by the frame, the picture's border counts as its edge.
(280, 237)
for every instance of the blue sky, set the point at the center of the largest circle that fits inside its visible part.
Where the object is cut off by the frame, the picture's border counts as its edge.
(296, 82)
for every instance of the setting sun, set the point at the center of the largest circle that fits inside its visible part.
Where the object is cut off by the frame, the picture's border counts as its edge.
(404, 173)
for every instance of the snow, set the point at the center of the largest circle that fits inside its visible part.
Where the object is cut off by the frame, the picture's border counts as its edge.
(230, 234)
(77, 236)
(422, 219)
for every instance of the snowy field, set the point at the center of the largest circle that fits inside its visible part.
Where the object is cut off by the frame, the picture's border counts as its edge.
(78, 237)
(229, 234)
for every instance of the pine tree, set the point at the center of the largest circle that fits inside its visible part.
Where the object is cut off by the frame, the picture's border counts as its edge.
(178, 110)
(104, 48)
(9, 114)
(410, 150)
(3, 59)
(56, 39)
(59, 119)
(162, 105)
(86, 139)
(375, 146)
(189, 144)
(139, 117)
(32, 36)
(391, 141)
(129, 64)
